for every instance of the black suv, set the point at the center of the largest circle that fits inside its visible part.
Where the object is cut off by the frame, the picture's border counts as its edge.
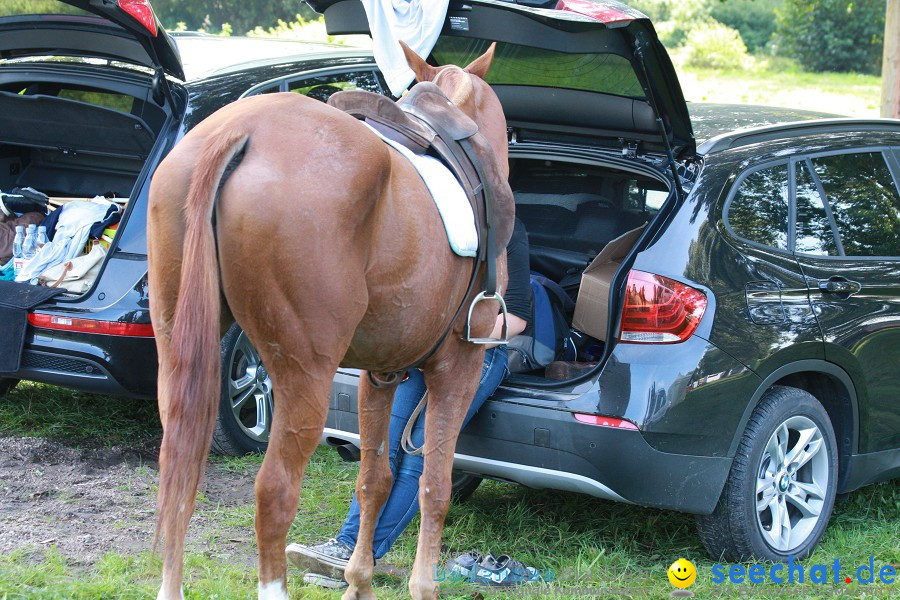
(734, 341)
(740, 337)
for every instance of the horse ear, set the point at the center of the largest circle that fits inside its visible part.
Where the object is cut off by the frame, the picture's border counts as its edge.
(423, 71)
(480, 65)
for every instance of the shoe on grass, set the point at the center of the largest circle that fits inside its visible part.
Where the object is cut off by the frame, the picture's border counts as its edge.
(463, 567)
(324, 581)
(500, 571)
(326, 559)
(506, 571)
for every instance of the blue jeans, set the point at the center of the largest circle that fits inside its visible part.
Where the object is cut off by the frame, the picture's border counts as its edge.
(403, 502)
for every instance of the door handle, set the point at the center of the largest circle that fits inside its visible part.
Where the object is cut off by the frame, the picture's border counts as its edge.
(839, 285)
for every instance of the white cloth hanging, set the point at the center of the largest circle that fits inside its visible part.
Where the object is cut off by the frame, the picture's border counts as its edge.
(416, 22)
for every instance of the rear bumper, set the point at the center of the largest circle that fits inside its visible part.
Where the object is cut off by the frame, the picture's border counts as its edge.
(547, 448)
(98, 364)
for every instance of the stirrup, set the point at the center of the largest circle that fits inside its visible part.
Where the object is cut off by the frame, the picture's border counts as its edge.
(467, 334)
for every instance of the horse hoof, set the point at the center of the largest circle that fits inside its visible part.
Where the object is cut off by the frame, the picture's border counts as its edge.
(428, 591)
(354, 593)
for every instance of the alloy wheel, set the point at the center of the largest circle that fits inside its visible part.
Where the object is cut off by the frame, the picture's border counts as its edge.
(249, 390)
(791, 485)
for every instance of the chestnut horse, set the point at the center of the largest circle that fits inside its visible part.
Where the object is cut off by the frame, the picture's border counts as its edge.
(294, 219)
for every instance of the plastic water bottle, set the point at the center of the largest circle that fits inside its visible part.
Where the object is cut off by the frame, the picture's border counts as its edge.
(42, 237)
(29, 246)
(18, 256)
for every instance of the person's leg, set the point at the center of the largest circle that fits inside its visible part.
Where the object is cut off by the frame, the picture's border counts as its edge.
(403, 503)
(406, 398)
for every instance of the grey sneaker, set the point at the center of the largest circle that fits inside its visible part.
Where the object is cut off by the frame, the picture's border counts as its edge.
(326, 582)
(328, 559)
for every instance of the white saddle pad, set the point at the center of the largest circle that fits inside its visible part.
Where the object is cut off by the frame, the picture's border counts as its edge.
(449, 197)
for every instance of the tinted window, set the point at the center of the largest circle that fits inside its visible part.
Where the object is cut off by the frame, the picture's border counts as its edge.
(322, 87)
(119, 102)
(864, 201)
(759, 209)
(523, 65)
(814, 233)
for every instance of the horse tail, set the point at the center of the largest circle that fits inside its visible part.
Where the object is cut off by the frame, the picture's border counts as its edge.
(192, 383)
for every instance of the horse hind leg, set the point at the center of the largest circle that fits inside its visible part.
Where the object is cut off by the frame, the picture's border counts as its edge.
(372, 485)
(301, 406)
(452, 382)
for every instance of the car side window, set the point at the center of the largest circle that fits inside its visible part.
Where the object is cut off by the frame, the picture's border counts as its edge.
(814, 232)
(863, 197)
(322, 87)
(758, 212)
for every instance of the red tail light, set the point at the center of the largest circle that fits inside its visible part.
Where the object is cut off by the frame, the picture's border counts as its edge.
(659, 310)
(90, 325)
(141, 11)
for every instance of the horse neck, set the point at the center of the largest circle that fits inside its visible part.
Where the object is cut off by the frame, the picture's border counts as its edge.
(489, 117)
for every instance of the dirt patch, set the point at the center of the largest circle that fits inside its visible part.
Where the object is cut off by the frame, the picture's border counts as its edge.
(88, 502)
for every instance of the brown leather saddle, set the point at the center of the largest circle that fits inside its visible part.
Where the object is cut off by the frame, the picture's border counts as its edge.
(427, 122)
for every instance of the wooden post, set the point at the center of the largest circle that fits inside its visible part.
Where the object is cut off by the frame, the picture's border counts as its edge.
(890, 69)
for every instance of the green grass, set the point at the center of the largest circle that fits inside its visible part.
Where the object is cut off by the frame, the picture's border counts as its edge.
(35, 410)
(780, 82)
(594, 548)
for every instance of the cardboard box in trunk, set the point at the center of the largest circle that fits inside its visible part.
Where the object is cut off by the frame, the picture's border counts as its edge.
(592, 306)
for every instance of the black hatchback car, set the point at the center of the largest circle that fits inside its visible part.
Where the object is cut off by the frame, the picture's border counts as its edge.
(736, 300)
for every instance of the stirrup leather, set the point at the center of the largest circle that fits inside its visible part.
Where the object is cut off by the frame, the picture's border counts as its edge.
(504, 335)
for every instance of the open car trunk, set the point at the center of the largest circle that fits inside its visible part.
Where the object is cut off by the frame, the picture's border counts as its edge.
(83, 99)
(75, 133)
(597, 122)
(581, 214)
(68, 147)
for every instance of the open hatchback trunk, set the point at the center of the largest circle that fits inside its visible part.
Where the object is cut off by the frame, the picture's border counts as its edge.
(83, 100)
(597, 127)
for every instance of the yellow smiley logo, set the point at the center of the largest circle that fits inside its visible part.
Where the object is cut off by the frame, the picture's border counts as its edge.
(682, 573)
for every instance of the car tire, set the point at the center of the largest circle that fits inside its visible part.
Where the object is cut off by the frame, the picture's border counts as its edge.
(463, 486)
(246, 402)
(7, 384)
(781, 489)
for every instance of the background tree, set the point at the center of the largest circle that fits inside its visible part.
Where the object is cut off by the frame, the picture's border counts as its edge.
(25, 7)
(890, 71)
(833, 35)
(753, 18)
(241, 15)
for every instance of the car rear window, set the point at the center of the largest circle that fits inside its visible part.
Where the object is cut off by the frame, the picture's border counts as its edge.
(322, 87)
(515, 64)
(759, 210)
(120, 102)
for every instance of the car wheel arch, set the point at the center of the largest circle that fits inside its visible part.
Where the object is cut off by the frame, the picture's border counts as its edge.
(832, 387)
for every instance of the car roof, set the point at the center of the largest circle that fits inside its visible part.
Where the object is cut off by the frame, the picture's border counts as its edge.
(721, 127)
(205, 55)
